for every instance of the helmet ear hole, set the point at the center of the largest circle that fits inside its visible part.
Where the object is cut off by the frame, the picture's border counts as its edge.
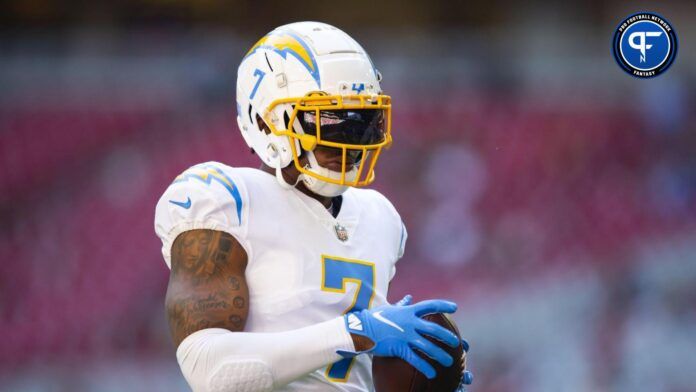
(286, 119)
(263, 127)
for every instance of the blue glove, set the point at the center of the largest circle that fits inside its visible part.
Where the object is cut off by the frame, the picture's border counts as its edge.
(397, 329)
(467, 376)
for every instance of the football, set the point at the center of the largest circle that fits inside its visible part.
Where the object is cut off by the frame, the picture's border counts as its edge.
(396, 375)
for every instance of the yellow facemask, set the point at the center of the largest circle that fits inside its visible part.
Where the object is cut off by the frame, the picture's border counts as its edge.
(316, 102)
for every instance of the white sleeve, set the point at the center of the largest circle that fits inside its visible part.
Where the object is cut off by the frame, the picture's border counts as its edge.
(217, 360)
(402, 241)
(396, 230)
(401, 248)
(206, 196)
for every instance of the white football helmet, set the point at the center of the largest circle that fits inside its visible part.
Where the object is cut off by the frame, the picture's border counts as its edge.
(309, 85)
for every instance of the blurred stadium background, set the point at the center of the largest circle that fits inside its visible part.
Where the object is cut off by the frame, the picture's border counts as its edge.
(549, 193)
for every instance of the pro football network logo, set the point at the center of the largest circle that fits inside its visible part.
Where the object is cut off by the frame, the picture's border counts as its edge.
(645, 45)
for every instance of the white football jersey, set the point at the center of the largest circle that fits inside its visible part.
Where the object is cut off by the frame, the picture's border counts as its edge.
(304, 265)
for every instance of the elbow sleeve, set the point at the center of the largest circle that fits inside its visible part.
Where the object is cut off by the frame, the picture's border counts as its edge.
(217, 360)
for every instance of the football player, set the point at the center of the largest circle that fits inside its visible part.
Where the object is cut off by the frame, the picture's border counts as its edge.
(279, 276)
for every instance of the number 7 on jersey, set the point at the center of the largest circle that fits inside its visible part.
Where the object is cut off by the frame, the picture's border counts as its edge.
(336, 272)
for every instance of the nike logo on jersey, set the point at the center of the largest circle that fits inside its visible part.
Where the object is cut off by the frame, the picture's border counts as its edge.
(186, 204)
(378, 316)
(354, 322)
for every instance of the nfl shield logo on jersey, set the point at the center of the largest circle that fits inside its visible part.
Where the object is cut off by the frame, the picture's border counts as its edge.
(341, 232)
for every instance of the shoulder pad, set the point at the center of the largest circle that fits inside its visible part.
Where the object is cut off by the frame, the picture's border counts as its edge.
(206, 196)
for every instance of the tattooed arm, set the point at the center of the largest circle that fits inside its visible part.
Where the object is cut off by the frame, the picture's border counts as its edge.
(207, 287)
(207, 306)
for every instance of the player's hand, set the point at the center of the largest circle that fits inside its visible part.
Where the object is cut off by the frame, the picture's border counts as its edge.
(467, 376)
(397, 329)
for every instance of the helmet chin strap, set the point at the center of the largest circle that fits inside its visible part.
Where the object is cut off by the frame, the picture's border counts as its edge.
(315, 185)
(324, 188)
(281, 179)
